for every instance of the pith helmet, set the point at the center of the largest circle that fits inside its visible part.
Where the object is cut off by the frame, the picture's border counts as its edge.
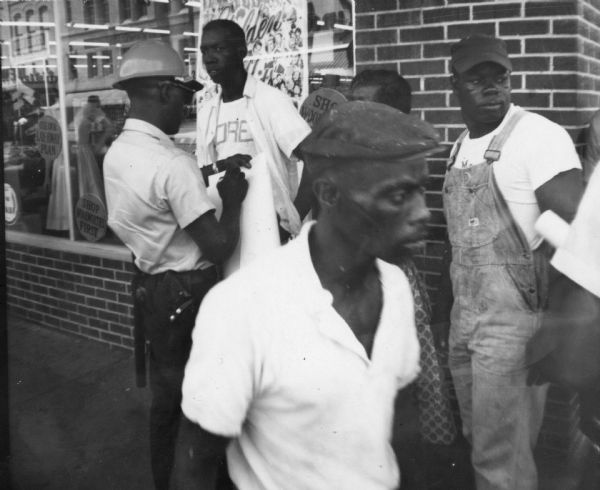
(153, 58)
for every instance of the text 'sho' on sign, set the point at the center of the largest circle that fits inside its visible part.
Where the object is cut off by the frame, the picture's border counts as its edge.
(49, 137)
(90, 216)
(318, 103)
(11, 205)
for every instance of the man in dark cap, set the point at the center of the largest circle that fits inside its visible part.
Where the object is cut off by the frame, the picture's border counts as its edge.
(298, 381)
(506, 168)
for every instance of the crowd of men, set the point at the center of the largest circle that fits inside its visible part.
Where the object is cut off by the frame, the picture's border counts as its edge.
(285, 375)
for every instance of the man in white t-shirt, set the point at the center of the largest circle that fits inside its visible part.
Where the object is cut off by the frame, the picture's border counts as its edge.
(508, 166)
(246, 117)
(297, 379)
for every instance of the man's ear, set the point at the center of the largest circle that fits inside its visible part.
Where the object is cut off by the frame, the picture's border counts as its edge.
(243, 51)
(326, 192)
(163, 93)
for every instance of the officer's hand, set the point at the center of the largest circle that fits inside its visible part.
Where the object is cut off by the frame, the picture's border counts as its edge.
(233, 187)
(234, 162)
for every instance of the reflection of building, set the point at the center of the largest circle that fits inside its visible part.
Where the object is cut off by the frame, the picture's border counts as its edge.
(26, 49)
(98, 32)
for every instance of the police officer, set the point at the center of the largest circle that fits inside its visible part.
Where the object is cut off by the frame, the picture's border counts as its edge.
(159, 207)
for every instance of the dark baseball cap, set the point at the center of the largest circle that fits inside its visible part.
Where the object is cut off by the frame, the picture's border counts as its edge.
(477, 49)
(370, 131)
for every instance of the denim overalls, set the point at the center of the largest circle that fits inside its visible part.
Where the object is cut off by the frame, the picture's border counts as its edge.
(499, 288)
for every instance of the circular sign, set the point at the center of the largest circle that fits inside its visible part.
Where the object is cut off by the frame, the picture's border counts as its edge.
(11, 205)
(318, 103)
(49, 138)
(90, 216)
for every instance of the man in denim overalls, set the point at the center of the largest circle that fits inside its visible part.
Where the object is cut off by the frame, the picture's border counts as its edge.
(508, 166)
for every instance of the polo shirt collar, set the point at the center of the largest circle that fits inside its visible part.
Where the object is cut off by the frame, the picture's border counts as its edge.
(132, 124)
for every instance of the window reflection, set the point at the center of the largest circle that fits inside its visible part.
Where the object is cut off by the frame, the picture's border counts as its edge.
(312, 45)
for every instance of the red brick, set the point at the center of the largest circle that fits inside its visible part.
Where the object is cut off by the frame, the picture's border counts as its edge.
(397, 19)
(428, 67)
(554, 44)
(377, 66)
(565, 26)
(110, 337)
(552, 8)
(96, 303)
(381, 36)
(568, 63)
(90, 332)
(445, 15)
(524, 27)
(496, 11)
(553, 82)
(365, 22)
(530, 63)
(421, 34)
(459, 31)
(89, 260)
(437, 50)
(375, 5)
(433, 84)
(364, 54)
(399, 52)
(427, 100)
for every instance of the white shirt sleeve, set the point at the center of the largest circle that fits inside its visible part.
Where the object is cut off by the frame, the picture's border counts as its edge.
(223, 370)
(288, 126)
(553, 151)
(181, 185)
(579, 257)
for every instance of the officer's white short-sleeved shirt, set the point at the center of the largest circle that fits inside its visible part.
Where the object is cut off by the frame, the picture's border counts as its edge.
(579, 257)
(536, 151)
(153, 191)
(274, 367)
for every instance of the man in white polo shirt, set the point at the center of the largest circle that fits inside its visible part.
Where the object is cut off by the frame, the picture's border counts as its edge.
(297, 379)
(158, 206)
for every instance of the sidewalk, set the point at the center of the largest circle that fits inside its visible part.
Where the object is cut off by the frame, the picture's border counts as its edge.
(78, 421)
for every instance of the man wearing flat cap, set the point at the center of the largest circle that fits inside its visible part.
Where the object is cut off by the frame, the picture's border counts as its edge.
(297, 382)
(507, 167)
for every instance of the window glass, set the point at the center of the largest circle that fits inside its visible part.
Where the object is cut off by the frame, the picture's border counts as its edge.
(56, 134)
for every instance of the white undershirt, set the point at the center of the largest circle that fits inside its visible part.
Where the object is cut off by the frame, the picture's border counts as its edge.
(233, 134)
(536, 151)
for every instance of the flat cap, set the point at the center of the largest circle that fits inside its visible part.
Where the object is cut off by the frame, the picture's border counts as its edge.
(369, 130)
(471, 51)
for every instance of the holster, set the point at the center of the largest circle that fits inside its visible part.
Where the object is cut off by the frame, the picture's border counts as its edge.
(139, 335)
(164, 300)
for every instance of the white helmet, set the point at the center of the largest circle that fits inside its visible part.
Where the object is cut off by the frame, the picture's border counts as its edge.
(153, 58)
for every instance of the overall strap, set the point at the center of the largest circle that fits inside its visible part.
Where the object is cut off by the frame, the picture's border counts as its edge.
(454, 152)
(492, 154)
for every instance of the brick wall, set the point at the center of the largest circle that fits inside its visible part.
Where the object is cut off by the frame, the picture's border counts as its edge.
(554, 46)
(84, 295)
(555, 49)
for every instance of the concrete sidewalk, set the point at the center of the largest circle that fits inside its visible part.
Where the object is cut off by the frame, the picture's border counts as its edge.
(78, 422)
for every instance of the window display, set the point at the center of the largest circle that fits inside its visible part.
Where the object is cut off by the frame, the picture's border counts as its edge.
(60, 113)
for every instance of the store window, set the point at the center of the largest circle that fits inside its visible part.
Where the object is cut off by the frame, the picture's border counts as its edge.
(124, 10)
(53, 158)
